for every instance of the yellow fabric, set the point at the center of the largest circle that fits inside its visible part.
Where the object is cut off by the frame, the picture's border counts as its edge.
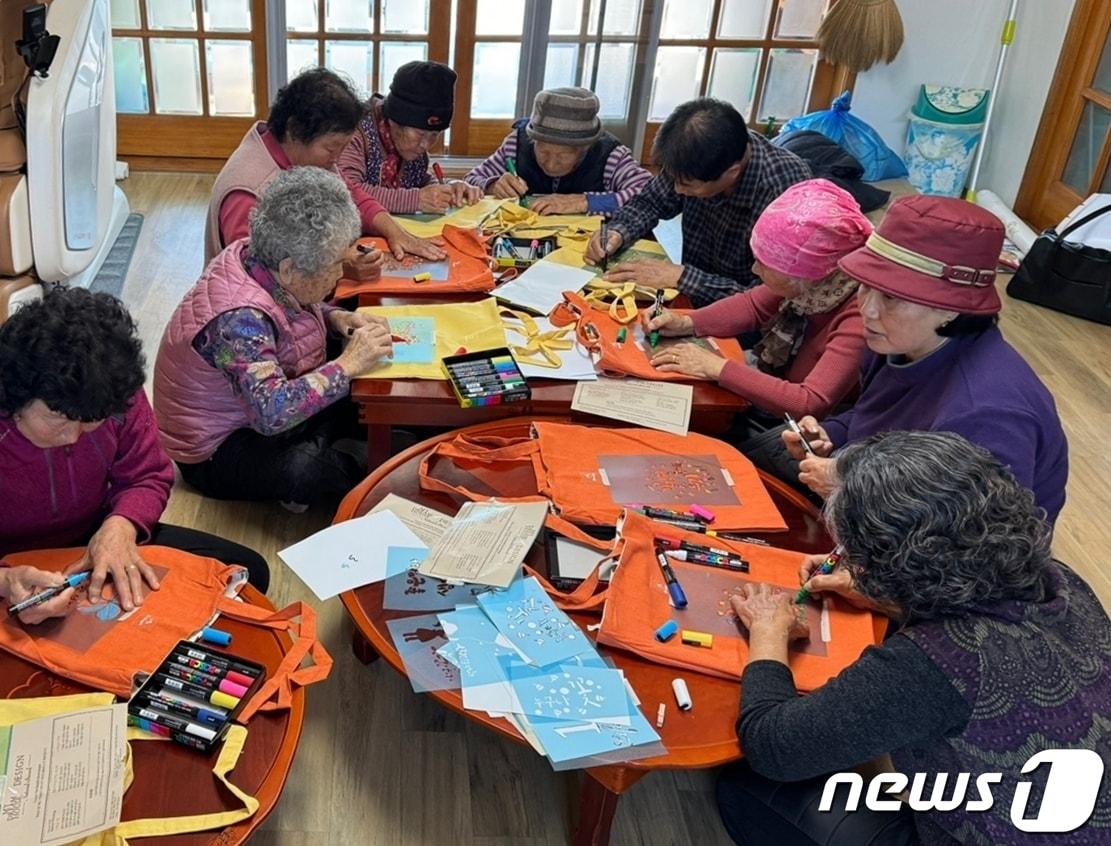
(540, 349)
(473, 326)
(20, 710)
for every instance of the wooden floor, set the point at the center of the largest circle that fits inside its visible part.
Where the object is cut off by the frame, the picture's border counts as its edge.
(381, 765)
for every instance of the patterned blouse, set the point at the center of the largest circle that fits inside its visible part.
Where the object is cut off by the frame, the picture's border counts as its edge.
(242, 344)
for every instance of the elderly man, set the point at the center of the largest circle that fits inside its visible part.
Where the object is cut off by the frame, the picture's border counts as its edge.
(720, 177)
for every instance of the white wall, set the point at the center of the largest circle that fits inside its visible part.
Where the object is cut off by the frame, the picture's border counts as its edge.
(956, 42)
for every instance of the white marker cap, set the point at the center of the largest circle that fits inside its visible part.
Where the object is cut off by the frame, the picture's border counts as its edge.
(682, 695)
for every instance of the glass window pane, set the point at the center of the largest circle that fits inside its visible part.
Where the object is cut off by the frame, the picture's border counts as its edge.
(494, 88)
(176, 69)
(300, 56)
(1102, 79)
(301, 16)
(800, 18)
(130, 72)
(622, 16)
(405, 17)
(743, 18)
(1105, 188)
(615, 77)
(125, 14)
(1086, 147)
(397, 53)
(559, 68)
(676, 79)
(733, 77)
(227, 16)
(787, 86)
(171, 14)
(349, 15)
(231, 77)
(567, 18)
(353, 60)
(686, 18)
(500, 17)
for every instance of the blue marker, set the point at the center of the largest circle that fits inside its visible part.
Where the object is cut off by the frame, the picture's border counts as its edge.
(43, 595)
(678, 598)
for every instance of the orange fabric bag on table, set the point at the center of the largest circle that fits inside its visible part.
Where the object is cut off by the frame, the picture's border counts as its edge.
(637, 604)
(633, 357)
(590, 473)
(102, 646)
(468, 269)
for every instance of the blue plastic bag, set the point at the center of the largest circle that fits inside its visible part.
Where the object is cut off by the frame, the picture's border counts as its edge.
(864, 143)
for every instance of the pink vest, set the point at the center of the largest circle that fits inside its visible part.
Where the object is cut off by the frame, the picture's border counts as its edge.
(194, 403)
(249, 168)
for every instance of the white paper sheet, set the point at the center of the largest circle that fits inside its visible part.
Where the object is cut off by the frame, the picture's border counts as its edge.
(428, 524)
(541, 287)
(657, 405)
(350, 554)
(669, 234)
(575, 364)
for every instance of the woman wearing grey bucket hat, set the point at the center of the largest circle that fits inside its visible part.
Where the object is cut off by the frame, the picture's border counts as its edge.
(562, 152)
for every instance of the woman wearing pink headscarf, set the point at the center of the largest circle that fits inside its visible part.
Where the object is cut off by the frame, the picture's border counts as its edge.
(808, 356)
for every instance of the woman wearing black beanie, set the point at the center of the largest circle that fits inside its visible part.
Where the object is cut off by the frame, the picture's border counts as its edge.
(388, 155)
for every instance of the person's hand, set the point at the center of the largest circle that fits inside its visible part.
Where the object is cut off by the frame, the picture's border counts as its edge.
(508, 187)
(595, 251)
(361, 265)
(401, 242)
(464, 194)
(346, 322)
(690, 359)
(768, 612)
(113, 551)
(369, 344)
(560, 204)
(814, 434)
(435, 198)
(20, 583)
(819, 474)
(839, 582)
(651, 273)
(670, 324)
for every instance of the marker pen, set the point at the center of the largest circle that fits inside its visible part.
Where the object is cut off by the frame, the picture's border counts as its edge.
(678, 598)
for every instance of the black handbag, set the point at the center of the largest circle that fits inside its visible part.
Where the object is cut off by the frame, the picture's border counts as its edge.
(1066, 276)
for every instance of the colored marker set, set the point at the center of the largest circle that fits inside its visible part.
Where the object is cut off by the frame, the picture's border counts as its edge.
(520, 252)
(194, 695)
(486, 377)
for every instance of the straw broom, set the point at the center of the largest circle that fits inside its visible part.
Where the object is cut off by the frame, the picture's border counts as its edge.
(859, 33)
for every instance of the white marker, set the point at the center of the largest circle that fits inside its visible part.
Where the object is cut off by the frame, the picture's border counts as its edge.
(660, 712)
(682, 695)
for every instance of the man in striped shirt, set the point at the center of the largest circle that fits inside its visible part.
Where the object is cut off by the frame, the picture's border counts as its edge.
(562, 152)
(719, 177)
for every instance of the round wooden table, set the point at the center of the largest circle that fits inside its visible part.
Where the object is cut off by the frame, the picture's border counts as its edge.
(703, 737)
(171, 780)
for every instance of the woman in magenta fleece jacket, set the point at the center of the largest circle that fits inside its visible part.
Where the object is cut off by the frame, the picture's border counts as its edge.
(80, 462)
(808, 356)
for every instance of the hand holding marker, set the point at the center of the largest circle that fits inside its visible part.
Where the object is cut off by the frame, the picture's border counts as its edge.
(657, 310)
(824, 569)
(794, 427)
(49, 593)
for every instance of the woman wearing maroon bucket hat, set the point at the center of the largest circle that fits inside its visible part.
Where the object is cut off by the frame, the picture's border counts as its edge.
(936, 359)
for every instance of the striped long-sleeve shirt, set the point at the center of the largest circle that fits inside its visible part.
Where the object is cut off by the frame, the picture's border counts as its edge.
(360, 164)
(624, 178)
(717, 260)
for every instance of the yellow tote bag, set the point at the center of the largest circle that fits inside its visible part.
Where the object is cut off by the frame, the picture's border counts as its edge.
(18, 710)
(432, 332)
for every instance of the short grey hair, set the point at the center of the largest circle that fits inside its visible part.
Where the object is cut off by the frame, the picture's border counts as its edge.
(306, 215)
(936, 525)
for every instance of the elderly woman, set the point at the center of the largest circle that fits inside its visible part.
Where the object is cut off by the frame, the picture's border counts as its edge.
(936, 360)
(388, 154)
(246, 402)
(311, 121)
(808, 356)
(562, 152)
(80, 463)
(999, 653)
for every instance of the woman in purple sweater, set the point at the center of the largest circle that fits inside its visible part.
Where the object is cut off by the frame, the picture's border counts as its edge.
(936, 361)
(80, 463)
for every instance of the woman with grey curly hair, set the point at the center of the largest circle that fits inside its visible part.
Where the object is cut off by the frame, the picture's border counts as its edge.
(998, 653)
(246, 402)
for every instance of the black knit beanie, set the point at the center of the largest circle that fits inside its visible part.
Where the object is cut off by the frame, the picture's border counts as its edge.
(422, 95)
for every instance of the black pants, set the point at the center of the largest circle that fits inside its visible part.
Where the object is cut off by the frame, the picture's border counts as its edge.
(300, 465)
(759, 812)
(213, 546)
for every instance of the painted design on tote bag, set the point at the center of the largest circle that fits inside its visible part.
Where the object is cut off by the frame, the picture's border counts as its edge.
(686, 479)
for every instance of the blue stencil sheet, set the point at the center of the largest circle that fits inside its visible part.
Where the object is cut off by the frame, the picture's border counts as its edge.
(419, 344)
(565, 740)
(570, 692)
(526, 615)
(417, 640)
(412, 591)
